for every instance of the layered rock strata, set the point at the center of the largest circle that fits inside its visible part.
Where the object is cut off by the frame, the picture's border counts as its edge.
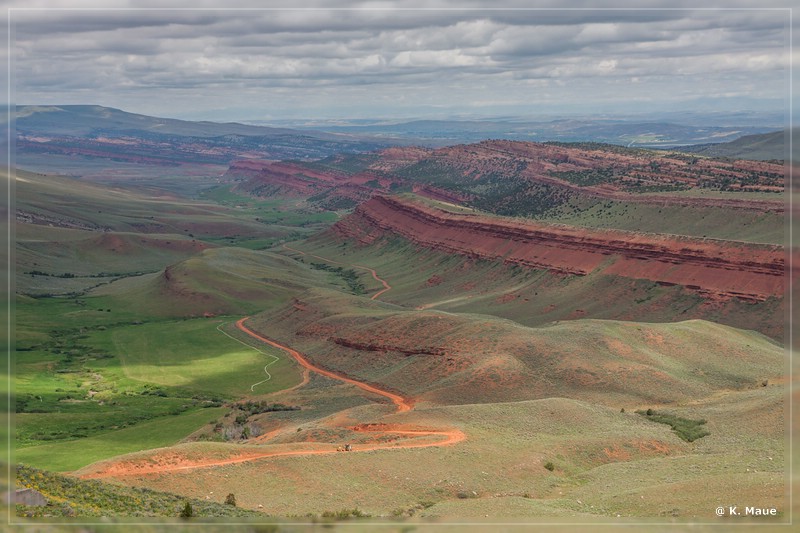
(715, 268)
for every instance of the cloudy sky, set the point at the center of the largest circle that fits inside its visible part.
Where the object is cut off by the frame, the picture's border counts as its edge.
(371, 59)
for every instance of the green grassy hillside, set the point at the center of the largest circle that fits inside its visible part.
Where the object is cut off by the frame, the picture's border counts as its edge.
(74, 203)
(69, 497)
(73, 235)
(712, 222)
(429, 279)
(472, 358)
(216, 281)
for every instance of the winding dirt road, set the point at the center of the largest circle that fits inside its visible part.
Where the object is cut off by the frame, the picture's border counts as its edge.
(122, 469)
(402, 404)
(173, 464)
(449, 436)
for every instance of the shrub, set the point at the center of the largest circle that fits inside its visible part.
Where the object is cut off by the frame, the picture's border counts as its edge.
(687, 429)
(187, 511)
(550, 466)
(230, 499)
(344, 514)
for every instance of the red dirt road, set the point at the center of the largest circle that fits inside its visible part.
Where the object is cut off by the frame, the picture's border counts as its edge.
(175, 464)
(451, 436)
(402, 403)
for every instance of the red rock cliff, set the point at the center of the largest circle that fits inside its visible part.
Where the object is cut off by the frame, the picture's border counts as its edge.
(714, 268)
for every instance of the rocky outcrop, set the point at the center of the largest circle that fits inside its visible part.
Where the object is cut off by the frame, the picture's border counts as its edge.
(714, 268)
(385, 347)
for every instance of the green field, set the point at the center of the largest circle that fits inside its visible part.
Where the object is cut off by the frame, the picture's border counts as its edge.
(115, 386)
(73, 454)
(195, 355)
(270, 211)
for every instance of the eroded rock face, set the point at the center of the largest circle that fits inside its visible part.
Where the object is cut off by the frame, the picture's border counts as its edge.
(714, 268)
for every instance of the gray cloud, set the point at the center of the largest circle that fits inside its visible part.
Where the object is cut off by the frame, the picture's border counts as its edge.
(379, 61)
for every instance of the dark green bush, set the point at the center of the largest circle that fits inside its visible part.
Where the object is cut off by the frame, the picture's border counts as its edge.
(187, 511)
(687, 429)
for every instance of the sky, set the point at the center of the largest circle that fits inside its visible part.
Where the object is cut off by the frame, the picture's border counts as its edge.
(375, 59)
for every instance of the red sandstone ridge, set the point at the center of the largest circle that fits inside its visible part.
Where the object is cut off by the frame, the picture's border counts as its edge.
(464, 174)
(263, 178)
(281, 178)
(711, 267)
(634, 171)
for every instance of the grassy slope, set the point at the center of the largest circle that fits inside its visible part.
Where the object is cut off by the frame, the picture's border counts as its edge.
(430, 279)
(604, 462)
(79, 203)
(71, 455)
(712, 222)
(69, 497)
(465, 358)
(95, 234)
(761, 147)
(219, 281)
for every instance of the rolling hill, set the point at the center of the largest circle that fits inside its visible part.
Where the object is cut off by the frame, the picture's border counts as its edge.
(451, 358)
(766, 146)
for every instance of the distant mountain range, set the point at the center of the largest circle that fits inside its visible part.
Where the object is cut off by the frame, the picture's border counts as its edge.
(629, 132)
(105, 133)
